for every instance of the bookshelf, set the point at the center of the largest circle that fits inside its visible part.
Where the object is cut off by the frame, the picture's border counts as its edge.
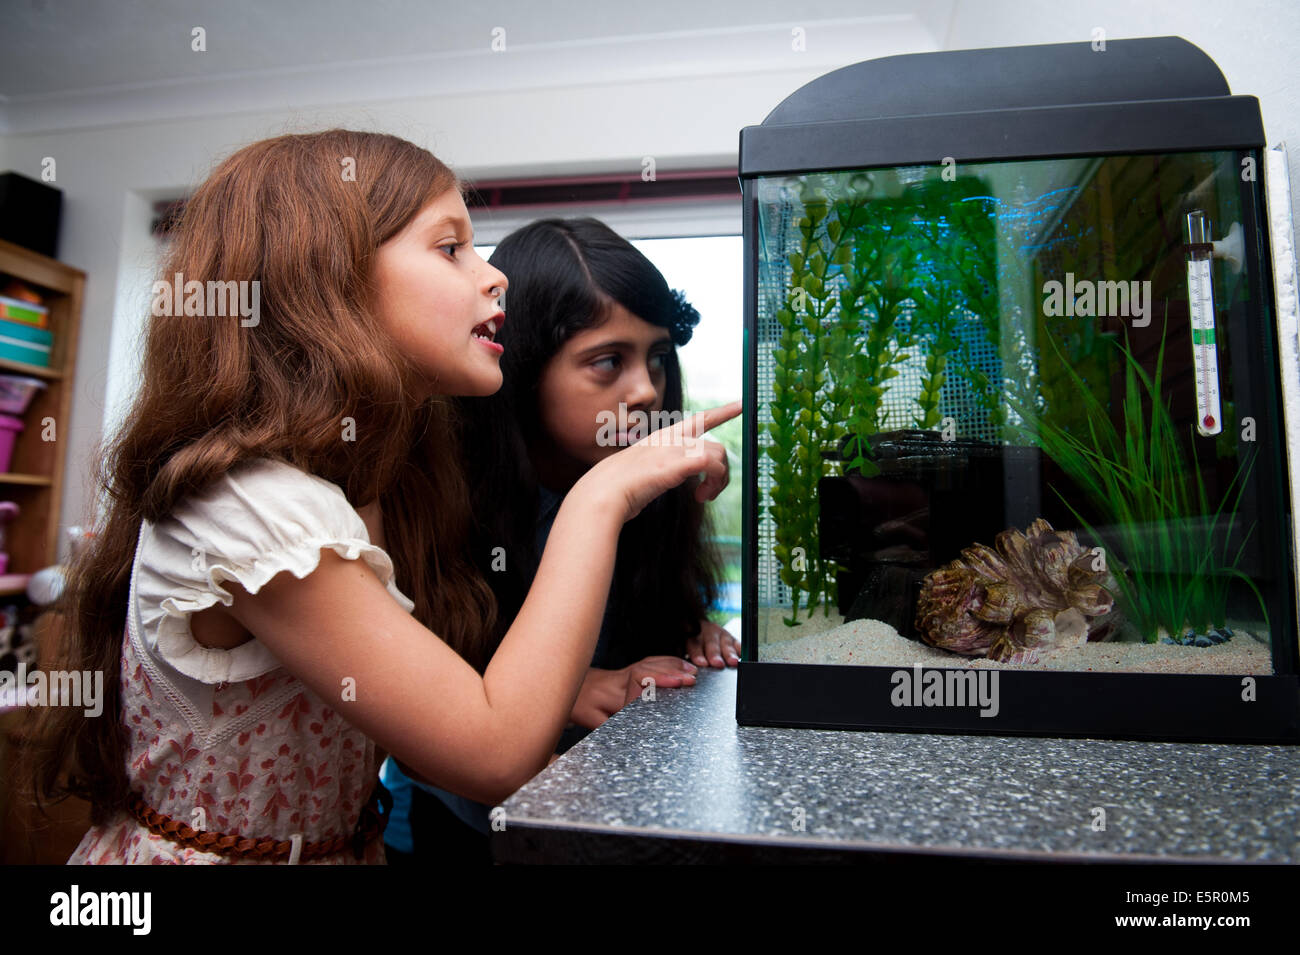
(34, 480)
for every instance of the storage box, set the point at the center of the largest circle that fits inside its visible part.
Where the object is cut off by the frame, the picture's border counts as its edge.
(28, 313)
(25, 343)
(16, 393)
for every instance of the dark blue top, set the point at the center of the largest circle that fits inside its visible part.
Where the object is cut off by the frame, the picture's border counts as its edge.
(475, 814)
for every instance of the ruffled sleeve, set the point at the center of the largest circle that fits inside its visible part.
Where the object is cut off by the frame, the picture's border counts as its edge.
(263, 518)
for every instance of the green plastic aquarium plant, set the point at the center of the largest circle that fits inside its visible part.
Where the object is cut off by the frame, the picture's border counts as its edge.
(955, 238)
(840, 343)
(798, 425)
(1171, 567)
(955, 230)
(862, 301)
(936, 322)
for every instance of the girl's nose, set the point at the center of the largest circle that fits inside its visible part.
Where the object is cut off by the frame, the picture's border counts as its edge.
(641, 389)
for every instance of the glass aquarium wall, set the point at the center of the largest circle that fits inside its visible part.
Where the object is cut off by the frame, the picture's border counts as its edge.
(1019, 414)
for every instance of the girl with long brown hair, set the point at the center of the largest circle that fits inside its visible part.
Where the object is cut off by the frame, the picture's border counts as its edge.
(279, 488)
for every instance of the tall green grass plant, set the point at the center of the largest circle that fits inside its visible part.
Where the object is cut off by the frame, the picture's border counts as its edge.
(1173, 567)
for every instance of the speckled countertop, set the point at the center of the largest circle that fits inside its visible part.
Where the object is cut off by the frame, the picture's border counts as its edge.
(679, 771)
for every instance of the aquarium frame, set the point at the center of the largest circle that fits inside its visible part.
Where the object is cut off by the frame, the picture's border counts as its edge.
(1060, 132)
(1060, 703)
(1279, 231)
(1087, 704)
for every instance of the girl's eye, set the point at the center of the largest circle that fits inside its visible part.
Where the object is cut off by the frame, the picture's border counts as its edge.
(657, 361)
(451, 248)
(608, 363)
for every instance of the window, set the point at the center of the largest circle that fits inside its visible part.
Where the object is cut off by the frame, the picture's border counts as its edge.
(708, 270)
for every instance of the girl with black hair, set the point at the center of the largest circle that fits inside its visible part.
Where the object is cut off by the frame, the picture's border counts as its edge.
(590, 363)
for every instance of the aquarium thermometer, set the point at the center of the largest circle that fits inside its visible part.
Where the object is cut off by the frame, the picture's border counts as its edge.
(1200, 303)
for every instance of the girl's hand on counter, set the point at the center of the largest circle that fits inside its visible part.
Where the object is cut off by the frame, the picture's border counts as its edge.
(713, 646)
(665, 671)
(605, 692)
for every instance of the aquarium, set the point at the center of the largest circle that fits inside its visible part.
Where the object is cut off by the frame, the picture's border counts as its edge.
(1018, 456)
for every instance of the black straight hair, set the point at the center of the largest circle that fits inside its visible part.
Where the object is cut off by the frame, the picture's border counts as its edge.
(565, 274)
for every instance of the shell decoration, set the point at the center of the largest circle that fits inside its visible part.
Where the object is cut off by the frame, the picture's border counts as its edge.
(1032, 591)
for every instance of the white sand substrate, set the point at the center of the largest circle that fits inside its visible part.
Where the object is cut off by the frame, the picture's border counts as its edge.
(772, 627)
(873, 643)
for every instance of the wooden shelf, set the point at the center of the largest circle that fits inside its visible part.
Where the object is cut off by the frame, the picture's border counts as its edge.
(35, 480)
(31, 371)
(12, 584)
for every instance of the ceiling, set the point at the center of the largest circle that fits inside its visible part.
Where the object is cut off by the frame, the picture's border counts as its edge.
(68, 63)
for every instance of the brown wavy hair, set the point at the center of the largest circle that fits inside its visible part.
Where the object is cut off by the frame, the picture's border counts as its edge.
(214, 393)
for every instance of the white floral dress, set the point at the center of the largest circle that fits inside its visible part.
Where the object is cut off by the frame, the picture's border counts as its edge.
(228, 740)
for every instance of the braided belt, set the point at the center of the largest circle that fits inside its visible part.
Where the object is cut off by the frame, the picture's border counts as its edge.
(369, 826)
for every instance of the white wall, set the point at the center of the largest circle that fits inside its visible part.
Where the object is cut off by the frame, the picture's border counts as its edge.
(678, 95)
(1254, 42)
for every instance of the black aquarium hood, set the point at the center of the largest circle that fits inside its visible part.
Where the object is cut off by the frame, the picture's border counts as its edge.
(1061, 99)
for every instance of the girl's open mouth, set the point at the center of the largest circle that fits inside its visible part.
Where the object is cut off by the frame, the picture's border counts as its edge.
(486, 333)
